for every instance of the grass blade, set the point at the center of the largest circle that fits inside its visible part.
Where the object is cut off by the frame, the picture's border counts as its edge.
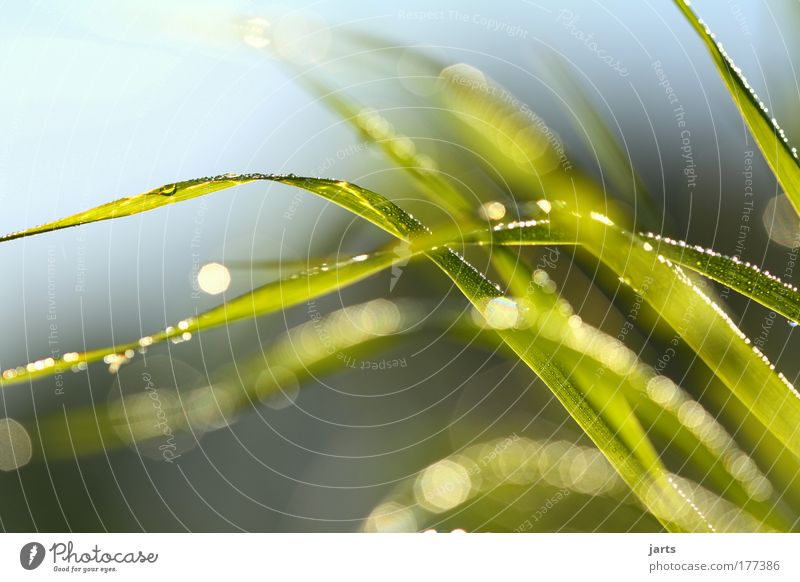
(774, 145)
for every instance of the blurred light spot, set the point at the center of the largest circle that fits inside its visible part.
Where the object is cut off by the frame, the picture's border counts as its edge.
(601, 218)
(301, 37)
(15, 445)
(544, 205)
(391, 517)
(781, 221)
(442, 486)
(415, 73)
(662, 390)
(254, 32)
(214, 278)
(277, 387)
(501, 313)
(692, 414)
(210, 408)
(493, 210)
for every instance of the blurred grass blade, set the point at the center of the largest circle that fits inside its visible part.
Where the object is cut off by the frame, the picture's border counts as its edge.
(507, 468)
(299, 353)
(613, 161)
(770, 138)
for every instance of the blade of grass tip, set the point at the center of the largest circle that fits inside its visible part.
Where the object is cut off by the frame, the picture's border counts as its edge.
(318, 280)
(771, 140)
(361, 202)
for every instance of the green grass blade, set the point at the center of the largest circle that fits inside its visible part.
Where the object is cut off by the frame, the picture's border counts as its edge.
(617, 433)
(361, 202)
(774, 145)
(708, 330)
(269, 298)
(745, 278)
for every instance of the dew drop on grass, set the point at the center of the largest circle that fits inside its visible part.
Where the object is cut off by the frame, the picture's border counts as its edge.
(16, 449)
(501, 313)
(442, 486)
(214, 278)
(391, 517)
(492, 210)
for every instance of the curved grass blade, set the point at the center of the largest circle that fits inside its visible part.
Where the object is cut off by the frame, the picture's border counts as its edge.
(616, 432)
(772, 141)
(361, 202)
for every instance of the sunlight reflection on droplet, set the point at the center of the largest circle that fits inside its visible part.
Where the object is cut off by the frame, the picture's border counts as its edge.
(254, 32)
(302, 37)
(391, 517)
(501, 313)
(277, 387)
(442, 486)
(15, 445)
(601, 218)
(545, 205)
(493, 210)
(781, 221)
(214, 278)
